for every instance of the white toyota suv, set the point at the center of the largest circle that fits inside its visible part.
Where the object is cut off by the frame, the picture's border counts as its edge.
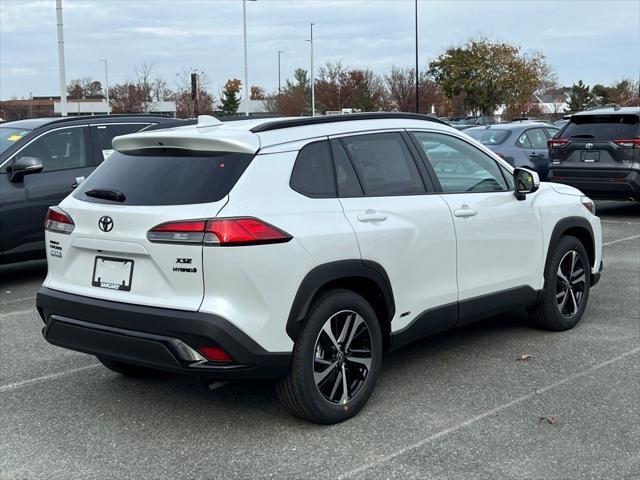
(305, 249)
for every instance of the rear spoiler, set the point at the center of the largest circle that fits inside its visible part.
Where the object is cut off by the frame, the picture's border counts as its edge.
(209, 135)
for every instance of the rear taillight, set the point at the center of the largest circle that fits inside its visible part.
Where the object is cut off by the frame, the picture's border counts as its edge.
(633, 143)
(58, 221)
(215, 354)
(218, 232)
(557, 142)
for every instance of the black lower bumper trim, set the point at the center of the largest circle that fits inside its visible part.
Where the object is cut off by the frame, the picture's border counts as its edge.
(605, 184)
(143, 336)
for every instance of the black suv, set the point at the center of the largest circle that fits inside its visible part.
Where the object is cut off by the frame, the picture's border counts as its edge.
(598, 152)
(41, 161)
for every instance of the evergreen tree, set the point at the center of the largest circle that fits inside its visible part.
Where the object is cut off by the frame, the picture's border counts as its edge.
(580, 97)
(230, 99)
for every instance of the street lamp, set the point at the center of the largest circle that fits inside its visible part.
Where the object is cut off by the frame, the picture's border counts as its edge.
(280, 52)
(313, 87)
(246, 67)
(106, 83)
(417, 75)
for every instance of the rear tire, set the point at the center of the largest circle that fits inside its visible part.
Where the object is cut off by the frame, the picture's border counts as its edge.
(336, 359)
(126, 369)
(566, 287)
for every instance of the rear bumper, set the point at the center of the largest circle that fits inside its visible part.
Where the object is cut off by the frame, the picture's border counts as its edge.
(599, 183)
(153, 337)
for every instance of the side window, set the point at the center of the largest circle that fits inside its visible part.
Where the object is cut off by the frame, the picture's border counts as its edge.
(508, 176)
(346, 178)
(459, 166)
(312, 173)
(59, 150)
(103, 135)
(523, 141)
(537, 138)
(384, 164)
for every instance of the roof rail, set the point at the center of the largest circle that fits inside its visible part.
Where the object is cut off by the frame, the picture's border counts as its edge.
(72, 118)
(303, 121)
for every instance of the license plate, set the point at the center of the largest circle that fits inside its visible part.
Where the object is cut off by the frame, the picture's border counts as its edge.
(112, 273)
(590, 157)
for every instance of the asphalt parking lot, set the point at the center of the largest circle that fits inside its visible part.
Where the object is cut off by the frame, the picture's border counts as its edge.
(455, 406)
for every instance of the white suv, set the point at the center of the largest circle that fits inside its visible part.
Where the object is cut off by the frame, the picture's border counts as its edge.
(305, 249)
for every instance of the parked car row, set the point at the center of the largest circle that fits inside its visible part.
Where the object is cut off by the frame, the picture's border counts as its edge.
(41, 161)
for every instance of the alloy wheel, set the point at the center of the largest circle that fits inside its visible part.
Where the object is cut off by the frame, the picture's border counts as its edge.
(570, 283)
(342, 358)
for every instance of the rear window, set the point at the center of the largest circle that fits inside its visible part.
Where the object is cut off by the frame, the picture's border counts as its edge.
(489, 137)
(601, 127)
(169, 178)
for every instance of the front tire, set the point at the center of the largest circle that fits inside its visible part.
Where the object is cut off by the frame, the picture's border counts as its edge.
(566, 287)
(336, 359)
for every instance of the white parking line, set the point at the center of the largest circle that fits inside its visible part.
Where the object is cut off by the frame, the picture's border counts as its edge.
(10, 302)
(358, 471)
(619, 222)
(621, 240)
(24, 383)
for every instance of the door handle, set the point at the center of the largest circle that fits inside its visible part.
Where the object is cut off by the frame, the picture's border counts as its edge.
(372, 216)
(465, 211)
(534, 155)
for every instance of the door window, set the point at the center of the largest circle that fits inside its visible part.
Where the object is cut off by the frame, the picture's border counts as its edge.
(104, 135)
(384, 164)
(312, 173)
(537, 138)
(346, 178)
(459, 166)
(59, 150)
(523, 141)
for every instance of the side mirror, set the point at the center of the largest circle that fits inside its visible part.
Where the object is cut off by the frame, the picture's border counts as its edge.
(24, 166)
(526, 181)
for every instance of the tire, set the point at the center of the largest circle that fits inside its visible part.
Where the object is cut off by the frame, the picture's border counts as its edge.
(324, 352)
(126, 369)
(558, 312)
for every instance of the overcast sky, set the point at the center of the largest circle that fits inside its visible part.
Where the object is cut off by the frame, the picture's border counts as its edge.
(597, 41)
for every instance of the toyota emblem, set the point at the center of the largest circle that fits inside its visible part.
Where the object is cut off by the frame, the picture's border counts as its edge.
(589, 145)
(105, 223)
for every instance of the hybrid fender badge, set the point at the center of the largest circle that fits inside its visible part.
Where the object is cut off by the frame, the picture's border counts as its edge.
(105, 224)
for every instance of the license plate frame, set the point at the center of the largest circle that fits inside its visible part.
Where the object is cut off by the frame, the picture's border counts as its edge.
(590, 157)
(119, 267)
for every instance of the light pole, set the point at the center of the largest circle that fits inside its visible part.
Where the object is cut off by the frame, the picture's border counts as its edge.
(106, 82)
(417, 75)
(280, 52)
(313, 86)
(246, 65)
(63, 86)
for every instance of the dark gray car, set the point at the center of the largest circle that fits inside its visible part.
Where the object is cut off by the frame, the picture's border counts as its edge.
(522, 144)
(41, 161)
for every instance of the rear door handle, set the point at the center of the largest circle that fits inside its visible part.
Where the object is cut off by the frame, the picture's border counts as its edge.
(372, 216)
(465, 211)
(534, 155)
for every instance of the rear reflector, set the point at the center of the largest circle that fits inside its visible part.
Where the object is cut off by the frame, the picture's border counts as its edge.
(218, 232)
(215, 354)
(633, 143)
(557, 142)
(58, 221)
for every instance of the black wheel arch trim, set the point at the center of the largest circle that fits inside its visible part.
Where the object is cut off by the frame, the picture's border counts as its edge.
(324, 274)
(560, 229)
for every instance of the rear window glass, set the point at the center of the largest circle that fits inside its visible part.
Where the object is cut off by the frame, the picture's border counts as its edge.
(601, 127)
(167, 178)
(313, 172)
(489, 137)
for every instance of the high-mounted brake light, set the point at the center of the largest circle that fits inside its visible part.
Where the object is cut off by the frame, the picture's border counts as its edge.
(632, 143)
(58, 221)
(218, 232)
(557, 142)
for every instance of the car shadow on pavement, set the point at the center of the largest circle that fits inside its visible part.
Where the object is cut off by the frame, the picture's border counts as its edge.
(617, 209)
(15, 274)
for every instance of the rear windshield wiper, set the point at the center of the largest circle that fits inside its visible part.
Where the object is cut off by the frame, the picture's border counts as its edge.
(106, 194)
(584, 135)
